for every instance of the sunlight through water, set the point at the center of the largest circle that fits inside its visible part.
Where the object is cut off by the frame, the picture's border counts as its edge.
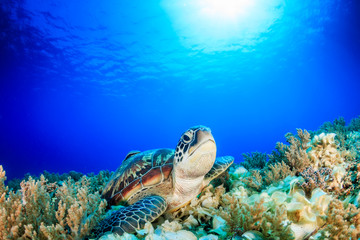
(223, 25)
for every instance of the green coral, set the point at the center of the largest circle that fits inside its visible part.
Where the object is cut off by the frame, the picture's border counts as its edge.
(339, 127)
(352, 146)
(354, 124)
(254, 160)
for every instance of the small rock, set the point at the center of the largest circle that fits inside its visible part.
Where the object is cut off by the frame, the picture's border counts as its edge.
(209, 237)
(252, 235)
(180, 235)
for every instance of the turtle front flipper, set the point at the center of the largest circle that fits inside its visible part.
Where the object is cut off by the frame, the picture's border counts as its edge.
(220, 166)
(131, 218)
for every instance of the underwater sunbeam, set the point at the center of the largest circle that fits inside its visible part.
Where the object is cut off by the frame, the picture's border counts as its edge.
(226, 10)
(223, 25)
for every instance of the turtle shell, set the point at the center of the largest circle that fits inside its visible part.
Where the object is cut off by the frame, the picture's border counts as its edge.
(139, 172)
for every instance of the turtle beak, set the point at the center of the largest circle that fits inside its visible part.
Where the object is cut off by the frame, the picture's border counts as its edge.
(200, 156)
(203, 141)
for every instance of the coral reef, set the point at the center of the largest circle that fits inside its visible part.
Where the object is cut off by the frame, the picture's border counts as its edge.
(324, 151)
(344, 134)
(341, 222)
(284, 161)
(254, 160)
(254, 180)
(101, 178)
(314, 179)
(296, 154)
(276, 172)
(338, 127)
(38, 210)
(308, 188)
(351, 148)
(261, 215)
(354, 125)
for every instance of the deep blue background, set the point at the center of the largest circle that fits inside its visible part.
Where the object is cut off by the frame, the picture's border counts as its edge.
(81, 85)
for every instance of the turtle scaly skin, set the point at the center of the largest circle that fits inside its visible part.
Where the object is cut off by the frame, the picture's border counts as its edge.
(160, 180)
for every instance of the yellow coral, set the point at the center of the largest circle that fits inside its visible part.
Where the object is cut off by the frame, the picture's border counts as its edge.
(296, 156)
(168, 230)
(33, 212)
(305, 214)
(341, 222)
(324, 151)
(2, 180)
(277, 172)
(258, 212)
(255, 180)
(201, 208)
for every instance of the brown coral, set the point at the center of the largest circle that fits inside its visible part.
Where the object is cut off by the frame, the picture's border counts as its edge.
(314, 179)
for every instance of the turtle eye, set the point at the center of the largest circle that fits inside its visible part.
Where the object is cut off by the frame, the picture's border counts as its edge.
(186, 138)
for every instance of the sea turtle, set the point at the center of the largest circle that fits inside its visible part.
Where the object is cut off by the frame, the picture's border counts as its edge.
(160, 180)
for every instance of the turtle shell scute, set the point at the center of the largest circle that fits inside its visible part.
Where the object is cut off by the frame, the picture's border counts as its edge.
(144, 169)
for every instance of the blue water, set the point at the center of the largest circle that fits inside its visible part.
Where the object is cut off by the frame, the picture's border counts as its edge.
(83, 83)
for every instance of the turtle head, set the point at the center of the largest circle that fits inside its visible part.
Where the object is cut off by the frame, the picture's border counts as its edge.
(195, 153)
